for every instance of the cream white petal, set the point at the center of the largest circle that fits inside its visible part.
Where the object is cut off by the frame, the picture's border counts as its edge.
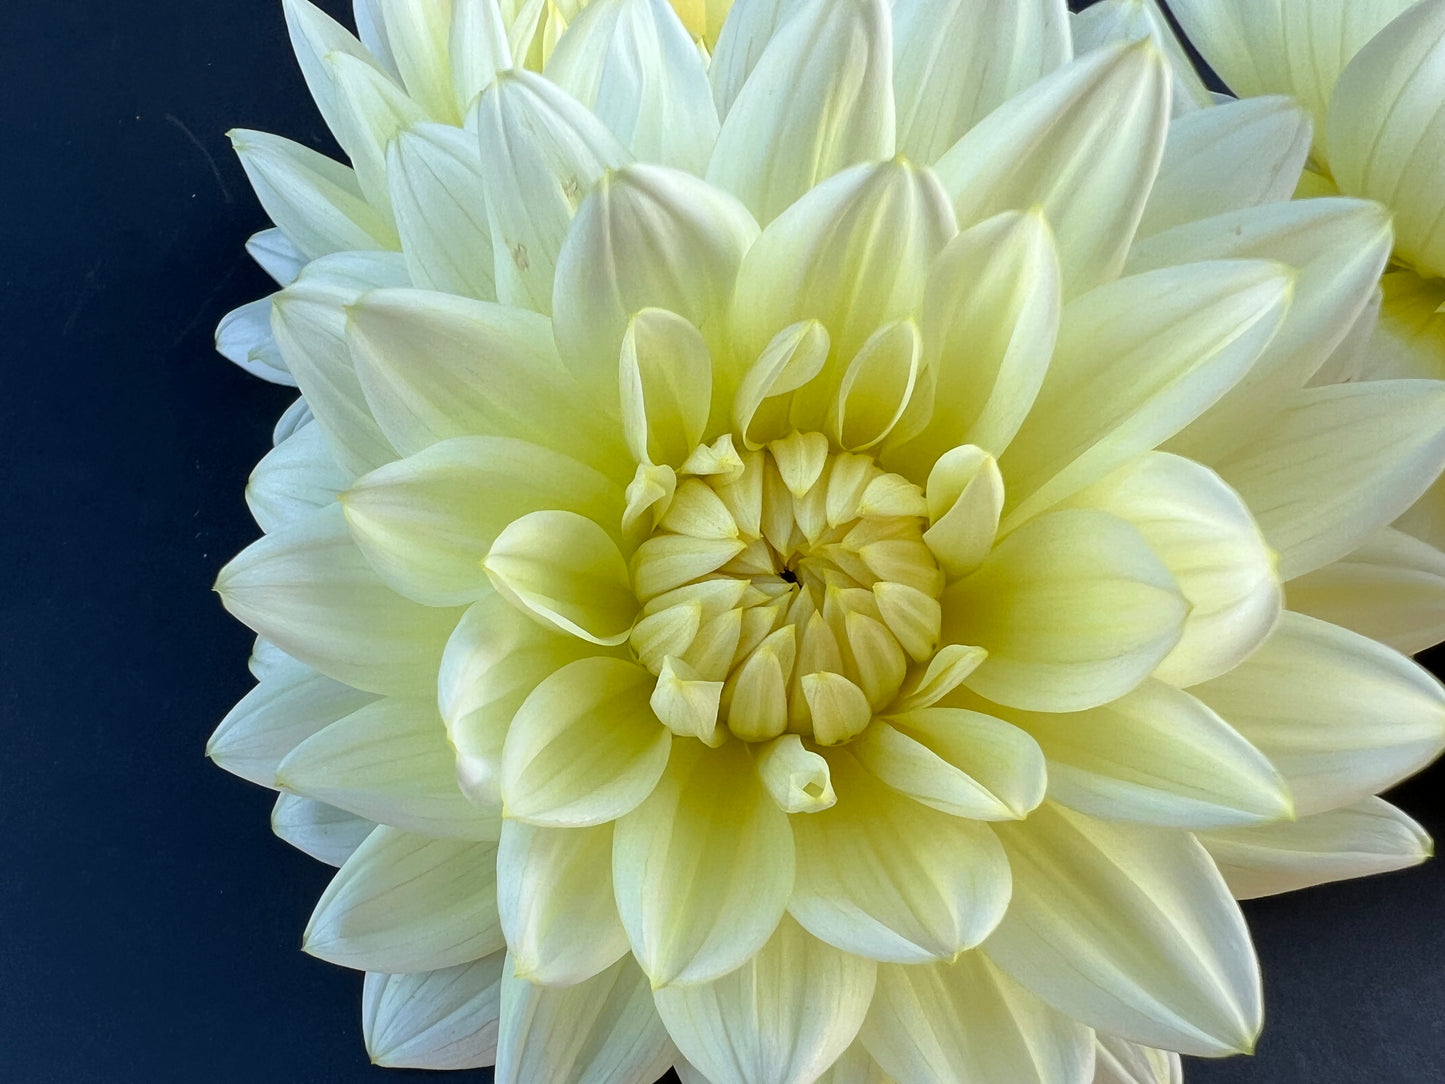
(564, 569)
(371, 30)
(1296, 47)
(1207, 539)
(1337, 246)
(1341, 716)
(818, 100)
(426, 522)
(955, 61)
(825, 259)
(1359, 840)
(434, 177)
(404, 902)
(418, 39)
(293, 419)
(1337, 463)
(315, 36)
(1239, 154)
(1130, 930)
(308, 319)
(1084, 144)
(373, 111)
(703, 868)
(634, 65)
(855, 1066)
(478, 48)
(435, 366)
(1410, 338)
(276, 255)
(1391, 589)
(584, 748)
(990, 318)
(884, 877)
(294, 479)
(749, 26)
(961, 762)
(443, 1019)
(1074, 610)
(602, 1031)
(1118, 1061)
(966, 1020)
(784, 1016)
(1157, 756)
(244, 337)
(1386, 131)
(1137, 360)
(322, 831)
(309, 590)
(389, 762)
(541, 153)
(315, 202)
(554, 894)
(288, 705)
(1112, 21)
(493, 660)
(664, 383)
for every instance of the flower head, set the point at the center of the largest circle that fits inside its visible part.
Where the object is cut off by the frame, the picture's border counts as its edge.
(805, 589)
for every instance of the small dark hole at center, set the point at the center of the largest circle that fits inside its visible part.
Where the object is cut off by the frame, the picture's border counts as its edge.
(789, 575)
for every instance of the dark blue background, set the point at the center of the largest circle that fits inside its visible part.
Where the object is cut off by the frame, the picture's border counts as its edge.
(149, 922)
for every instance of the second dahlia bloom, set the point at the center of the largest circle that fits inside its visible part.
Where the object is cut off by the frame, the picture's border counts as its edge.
(818, 615)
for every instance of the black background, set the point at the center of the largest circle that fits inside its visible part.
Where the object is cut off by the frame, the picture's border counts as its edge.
(149, 921)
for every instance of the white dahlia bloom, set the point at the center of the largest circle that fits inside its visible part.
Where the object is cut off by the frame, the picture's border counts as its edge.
(799, 594)
(1372, 77)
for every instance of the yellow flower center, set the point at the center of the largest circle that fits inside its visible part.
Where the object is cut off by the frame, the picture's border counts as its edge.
(785, 592)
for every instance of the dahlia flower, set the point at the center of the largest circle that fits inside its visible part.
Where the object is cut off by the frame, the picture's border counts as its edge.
(783, 574)
(1372, 77)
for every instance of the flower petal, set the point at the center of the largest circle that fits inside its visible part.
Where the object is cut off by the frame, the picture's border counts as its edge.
(389, 762)
(645, 237)
(1111, 22)
(445, 1019)
(479, 49)
(1207, 539)
(554, 894)
(310, 591)
(1083, 143)
(1118, 1061)
(417, 36)
(494, 659)
(1130, 930)
(541, 152)
(244, 336)
(955, 62)
(282, 711)
(967, 1020)
(665, 381)
(633, 64)
(1338, 463)
(315, 36)
(436, 366)
(322, 831)
(308, 319)
(1137, 360)
(372, 111)
(826, 258)
(1371, 836)
(1073, 608)
(584, 747)
(1338, 247)
(1341, 716)
(602, 1031)
(408, 903)
(818, 100)
(887, 878)
(425, 523)
(276, 255)
(703, 868)
(765, 1020)
(434, 174)
(1157, 756)
(1385, 131)
(1391, 589)
(294, 479)
(1235, 155)
(990, 319)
